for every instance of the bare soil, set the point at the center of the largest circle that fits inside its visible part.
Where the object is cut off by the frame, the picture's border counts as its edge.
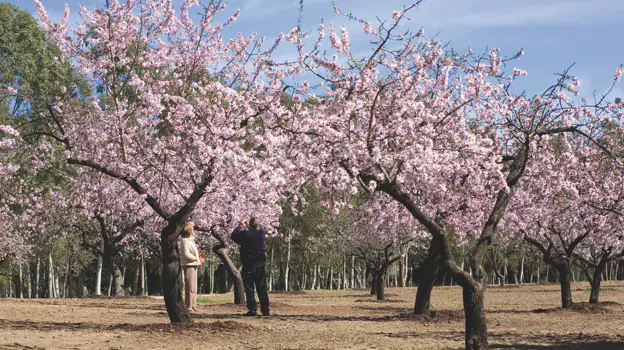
(519, 317)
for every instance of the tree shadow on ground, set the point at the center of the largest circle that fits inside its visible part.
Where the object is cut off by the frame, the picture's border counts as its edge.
(93, 303)
(216, 326)
(579, 341)
(523, 341)
(437, 316)
(600, 345)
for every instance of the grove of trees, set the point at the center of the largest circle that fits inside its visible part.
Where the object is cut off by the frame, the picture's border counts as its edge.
(412, 165)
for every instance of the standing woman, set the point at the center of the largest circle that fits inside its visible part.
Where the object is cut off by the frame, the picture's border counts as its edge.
(189, 260)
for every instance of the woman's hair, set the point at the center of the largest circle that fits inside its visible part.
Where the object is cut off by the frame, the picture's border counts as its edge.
(188, 229)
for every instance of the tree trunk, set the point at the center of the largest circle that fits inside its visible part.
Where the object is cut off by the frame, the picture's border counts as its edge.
(71, 282)
(98, 276)
(547, 270)
(212, 275)
(331, 278)
(352, 276)
(141, 285)
(20, 291)
(172, 293)
(505, 271)
(239, 287)
(314, 277)
(81, 288)
(57, 285)
(110, 285)
(428, 274)
(407, 270)
(522, 270)
(373, 283)
(37, 277)
(287, 271)
(51, 288)
(345, 281)
(66, 277)
(271, 270)
(564, 280)
(379, 288)
(401, 277)
(476, 327)
(29, 287)
(595, 283)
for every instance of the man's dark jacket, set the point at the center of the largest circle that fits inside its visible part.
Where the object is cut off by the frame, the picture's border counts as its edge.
(251, 241)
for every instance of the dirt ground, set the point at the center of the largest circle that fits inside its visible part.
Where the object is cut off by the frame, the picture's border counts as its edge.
(519, 317)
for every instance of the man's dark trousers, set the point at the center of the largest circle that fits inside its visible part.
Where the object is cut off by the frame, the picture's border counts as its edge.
(255, 274)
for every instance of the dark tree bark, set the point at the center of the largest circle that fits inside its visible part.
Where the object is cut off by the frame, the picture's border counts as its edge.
(566, 290)
(239, 287)
(114, 270)
(560, 258)
(595, 286)
(221, 251)
(380, 280)
(476, 325)
(600, 262)
(172, 293)
(427, 276)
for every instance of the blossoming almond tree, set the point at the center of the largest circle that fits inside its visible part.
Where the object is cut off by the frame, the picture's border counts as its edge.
(568, 208)
(379, 240)
(175, 112)
(12, 244)
(438, 131)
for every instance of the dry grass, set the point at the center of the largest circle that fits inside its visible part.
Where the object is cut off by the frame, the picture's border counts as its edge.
(525, 317)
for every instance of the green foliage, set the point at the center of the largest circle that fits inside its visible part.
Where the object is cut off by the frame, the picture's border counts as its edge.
(30, 64)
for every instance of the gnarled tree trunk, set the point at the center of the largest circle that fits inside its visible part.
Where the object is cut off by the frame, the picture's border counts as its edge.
(564, 280)
(427, 275)
(222, 253)
(380, 275)
(172, 293)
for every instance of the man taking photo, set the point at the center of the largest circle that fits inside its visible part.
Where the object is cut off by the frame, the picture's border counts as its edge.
(251, 239)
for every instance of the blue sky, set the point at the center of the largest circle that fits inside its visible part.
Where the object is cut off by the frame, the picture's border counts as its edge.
(553, 33)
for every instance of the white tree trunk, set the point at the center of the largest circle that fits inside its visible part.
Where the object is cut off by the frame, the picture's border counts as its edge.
(345, 281)
(20, 293)
(51, 287)
(522, 270)
(352, 276)
(211, 271)
(29, 280)
(66, 280)
(314, 277)
(271, 270)
(37, 278)
(407, 268)
(110, 284)
(287, 270)
(98, 276)
(505, 271)
(57, 284)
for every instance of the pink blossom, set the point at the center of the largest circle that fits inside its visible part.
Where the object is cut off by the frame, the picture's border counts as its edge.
(396, 15)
